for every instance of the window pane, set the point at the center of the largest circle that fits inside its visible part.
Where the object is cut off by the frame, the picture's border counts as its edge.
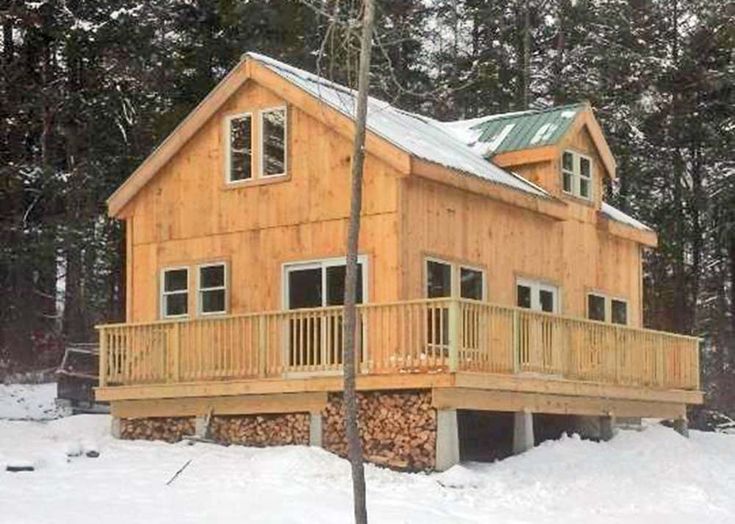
(567, 162)
(470, 283)
(305, 288)
(567, 177)
(547, 300)
(213, 301)
(619, 312)
(524, 296)
(274, 138)
(439, 279)
(336, 285)
(176, 304)
(584, 187)
(212, 276)
(596, 307)
(240, 148)
(584, 167)
(175, 280)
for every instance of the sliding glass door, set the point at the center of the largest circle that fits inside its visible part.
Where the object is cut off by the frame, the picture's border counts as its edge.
(315, 339)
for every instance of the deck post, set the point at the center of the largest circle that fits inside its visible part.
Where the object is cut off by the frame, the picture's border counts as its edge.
(262, 346)
(681, 426)
(447, 439)
(176, 354)
(103, 358)
(516, 343)
(315, 429)
(607, 427)
(523, 437)
(454, 334)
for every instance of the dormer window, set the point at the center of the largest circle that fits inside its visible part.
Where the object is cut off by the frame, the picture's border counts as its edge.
(266, 142)
(576, 173)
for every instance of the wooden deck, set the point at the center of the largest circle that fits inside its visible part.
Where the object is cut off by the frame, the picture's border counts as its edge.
(437, 343)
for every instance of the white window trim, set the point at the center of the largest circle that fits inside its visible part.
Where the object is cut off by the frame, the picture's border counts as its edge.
(322, 263)
(228, 149)
(536, 287)
(261, 152)
(576, 173)
(224, 287)
(163, 294)
(608, 307)
(454, 276)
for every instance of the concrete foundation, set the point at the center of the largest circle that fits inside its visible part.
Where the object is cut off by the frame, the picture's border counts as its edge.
(523, 437)
(116, 428)
(315, 429)
(447, 439)
(681, 426)
(607, 427)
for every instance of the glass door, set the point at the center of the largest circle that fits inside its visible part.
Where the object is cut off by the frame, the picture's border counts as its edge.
(537, 335)
(315, 338)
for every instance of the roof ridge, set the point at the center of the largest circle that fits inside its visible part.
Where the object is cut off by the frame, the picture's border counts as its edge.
(528, 112)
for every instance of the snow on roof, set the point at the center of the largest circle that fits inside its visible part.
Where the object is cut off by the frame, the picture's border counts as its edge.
(418, 135)
(617, 215)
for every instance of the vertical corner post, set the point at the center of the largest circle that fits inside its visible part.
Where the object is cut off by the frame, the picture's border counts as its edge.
(455, 335)
(103, 357)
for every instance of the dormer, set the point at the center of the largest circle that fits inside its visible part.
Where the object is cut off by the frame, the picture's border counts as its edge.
(561, 149)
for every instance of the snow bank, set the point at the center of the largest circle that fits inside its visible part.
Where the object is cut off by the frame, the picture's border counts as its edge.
(28, 401)
(639, 477)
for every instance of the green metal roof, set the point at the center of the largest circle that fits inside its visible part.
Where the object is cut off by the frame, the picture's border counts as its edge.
(526, 129)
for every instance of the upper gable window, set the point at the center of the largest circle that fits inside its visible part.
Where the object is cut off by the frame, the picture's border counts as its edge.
(576, 173)
(273, 150)
(240, 148)
(266, 144)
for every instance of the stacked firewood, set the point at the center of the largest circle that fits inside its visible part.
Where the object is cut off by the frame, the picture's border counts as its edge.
(398, 429)
(170, 429)
(261, 430)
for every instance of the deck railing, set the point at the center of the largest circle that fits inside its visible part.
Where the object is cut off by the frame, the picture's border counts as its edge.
(421, 336)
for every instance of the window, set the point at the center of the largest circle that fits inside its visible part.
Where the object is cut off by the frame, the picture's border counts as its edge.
(536, 295)
(320, 283)
(576, 174)
(596, 307)
(239, 159)
(619, 311)
(600, 306)
(212, 289)
(315, 340)
(175, 292)
(273, 150)
(440, 280)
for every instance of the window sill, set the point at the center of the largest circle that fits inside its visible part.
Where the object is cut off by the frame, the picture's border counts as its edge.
(578, 199)
(262, 181)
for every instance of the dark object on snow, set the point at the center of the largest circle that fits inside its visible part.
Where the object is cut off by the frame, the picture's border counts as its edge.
(76, 378)
(93, 454)
(17, 469)
(182, 468)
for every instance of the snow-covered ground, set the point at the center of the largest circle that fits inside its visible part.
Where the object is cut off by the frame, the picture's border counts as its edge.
(654, 476)
(28, 402)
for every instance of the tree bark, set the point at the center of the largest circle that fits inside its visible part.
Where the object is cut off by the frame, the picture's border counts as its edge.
(352, 431)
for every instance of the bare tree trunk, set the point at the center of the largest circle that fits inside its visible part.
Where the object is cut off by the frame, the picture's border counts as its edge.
(354, 445)
(526, 54)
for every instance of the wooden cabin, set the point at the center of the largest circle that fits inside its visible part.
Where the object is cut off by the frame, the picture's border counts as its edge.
(494, 282)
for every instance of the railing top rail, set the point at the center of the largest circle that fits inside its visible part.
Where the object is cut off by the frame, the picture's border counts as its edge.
(376, 305)
(588, 321)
